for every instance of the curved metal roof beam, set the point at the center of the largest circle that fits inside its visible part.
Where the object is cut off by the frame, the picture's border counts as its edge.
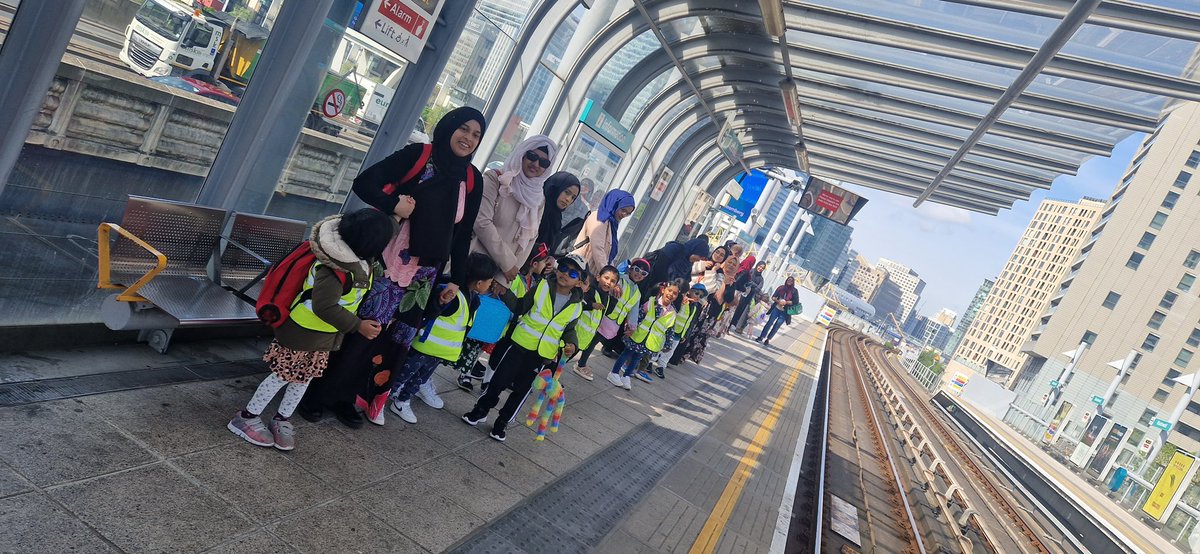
(1116, 14)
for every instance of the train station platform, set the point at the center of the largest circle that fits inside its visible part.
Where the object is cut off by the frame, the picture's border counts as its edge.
(1105, 510)
(699, 461)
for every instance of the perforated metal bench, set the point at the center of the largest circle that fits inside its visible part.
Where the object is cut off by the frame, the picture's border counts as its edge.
(165, 262)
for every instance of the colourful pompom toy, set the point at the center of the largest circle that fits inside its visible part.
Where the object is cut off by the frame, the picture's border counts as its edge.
(551, 399)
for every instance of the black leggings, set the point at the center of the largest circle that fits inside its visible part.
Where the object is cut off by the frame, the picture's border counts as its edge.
(587, 352)
(517, 367)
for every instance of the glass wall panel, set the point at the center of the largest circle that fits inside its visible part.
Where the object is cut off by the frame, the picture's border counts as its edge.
(324, 162)
(545, 78)
(139, 105)
(7, 9)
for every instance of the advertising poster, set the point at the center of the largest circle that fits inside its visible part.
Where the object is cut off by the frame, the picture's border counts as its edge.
(660, 186)
(1108, 448)
(752, 185)
(1052, 428)
(830, 201)
(1093, 430)
(1091, 434)
(957, 383)
(1171, 480)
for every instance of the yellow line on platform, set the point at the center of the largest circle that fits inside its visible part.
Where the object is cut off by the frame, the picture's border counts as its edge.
(706, 542)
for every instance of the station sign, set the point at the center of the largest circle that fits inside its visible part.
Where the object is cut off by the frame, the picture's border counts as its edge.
(1097, 400)
(606, 125)
(660, 185)
(401, 26)
(1161, 424)
(1054, 383)
(1145, 446)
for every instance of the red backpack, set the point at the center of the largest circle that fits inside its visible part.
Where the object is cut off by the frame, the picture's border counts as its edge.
(426, 152)
(282, 286)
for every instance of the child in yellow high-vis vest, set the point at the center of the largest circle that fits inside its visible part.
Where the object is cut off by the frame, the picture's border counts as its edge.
(324, 312)
(544, 329)
(598, 302)
(685, 316)
(649, 337)
(468, 365)
(441, 339)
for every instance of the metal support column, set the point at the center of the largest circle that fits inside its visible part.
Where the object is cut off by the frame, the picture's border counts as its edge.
(414, 88)
(779, 220)
(36, 41)
(271, 113)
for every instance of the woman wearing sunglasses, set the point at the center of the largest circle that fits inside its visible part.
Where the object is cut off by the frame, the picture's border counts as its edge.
(511, 211)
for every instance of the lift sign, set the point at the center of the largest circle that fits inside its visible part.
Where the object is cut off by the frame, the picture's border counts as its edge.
(401, 26)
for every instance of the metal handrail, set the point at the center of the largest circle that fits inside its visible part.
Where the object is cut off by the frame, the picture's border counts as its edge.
(104, 234)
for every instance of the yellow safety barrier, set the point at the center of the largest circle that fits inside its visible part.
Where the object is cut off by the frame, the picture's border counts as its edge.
(104, 232)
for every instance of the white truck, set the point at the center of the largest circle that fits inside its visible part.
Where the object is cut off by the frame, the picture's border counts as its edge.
(168, 37)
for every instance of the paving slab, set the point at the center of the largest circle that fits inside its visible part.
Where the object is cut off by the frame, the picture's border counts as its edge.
(32, 522)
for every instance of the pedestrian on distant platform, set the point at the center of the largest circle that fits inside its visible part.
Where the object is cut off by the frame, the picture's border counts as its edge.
(544, 331)
(649, 337)
(436, 202)
(748, 285)
(344, 247)
(441, 340)
(783, 300)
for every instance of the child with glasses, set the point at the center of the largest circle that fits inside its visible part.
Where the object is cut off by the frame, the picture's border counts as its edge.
(685, 316)
(627, 313)
(545, 329)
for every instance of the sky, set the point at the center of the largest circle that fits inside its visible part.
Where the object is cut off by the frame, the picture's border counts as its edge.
(954, 250)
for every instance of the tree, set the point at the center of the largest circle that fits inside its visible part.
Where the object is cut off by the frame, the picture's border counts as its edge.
(432, 115)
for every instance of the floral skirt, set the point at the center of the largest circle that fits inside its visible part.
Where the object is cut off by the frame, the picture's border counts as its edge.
(371, 365)
(636, 347)
(295, 366)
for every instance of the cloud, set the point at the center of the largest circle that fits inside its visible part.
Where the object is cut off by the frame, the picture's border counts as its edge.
(945, 214)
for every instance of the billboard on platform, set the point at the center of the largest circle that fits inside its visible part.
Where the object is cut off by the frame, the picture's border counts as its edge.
(831, 201)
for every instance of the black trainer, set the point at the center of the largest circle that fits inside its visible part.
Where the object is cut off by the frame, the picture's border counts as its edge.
(478, 370)
(348, 415)
(311, 413)
(471, 418)
(497, 432)
(464, 383)
(658, 370)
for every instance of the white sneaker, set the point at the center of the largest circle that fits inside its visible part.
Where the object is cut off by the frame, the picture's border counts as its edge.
(377, 420)
(404, 410)
(625, 382)
(429, 395)
(614, 379)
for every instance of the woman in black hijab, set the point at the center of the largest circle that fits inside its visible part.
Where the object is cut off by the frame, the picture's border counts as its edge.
(561, 190)
(435, 202)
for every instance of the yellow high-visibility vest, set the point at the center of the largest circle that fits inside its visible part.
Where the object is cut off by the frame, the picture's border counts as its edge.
(446, 335)
(541, 329)
(684, 320)
(589, 322)
(302, 306)
(630, 296)
(653, 332)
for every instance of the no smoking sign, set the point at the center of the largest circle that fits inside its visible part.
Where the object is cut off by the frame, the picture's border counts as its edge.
(333, 104)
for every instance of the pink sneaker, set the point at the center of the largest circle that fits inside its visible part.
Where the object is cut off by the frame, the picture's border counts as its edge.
(252, 429)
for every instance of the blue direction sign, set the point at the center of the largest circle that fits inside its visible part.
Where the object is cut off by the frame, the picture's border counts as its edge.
(1054, 383)
(1097, 400)
(1161, 424)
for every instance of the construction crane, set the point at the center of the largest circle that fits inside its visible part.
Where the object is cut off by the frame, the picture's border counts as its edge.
(899, 331)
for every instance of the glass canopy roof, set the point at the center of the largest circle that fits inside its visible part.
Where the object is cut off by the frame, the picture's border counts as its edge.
(892, 90)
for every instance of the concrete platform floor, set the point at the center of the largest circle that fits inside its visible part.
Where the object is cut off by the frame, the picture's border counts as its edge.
(155, 470)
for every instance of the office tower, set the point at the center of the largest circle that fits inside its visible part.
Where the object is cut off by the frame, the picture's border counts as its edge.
(965, 321)
(1036, 267)
(910, 285)
(1132, 288)
(822, 249)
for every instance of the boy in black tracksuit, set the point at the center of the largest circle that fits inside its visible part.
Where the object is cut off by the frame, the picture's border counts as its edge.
(527, 353)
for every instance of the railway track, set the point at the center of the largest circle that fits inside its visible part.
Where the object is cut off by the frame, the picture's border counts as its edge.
(991, 514)
(861, 471)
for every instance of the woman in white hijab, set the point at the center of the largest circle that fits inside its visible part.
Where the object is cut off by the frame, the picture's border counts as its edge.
(511, 210)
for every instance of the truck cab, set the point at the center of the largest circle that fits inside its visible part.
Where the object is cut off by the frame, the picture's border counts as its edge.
(168, 37)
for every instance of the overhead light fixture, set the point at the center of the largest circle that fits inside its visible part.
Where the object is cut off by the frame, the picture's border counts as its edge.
(802, 157)
(791, 102)
(772, 12)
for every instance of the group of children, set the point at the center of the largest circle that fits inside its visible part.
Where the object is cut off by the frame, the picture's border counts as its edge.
(552, 311)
